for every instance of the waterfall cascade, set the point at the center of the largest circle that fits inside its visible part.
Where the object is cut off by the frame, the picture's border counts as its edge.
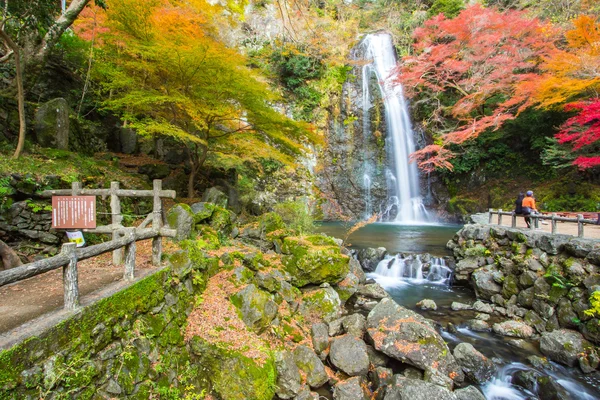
(411, 268)
(404, 200)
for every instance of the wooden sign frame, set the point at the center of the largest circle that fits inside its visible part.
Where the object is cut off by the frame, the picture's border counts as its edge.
(73, 212)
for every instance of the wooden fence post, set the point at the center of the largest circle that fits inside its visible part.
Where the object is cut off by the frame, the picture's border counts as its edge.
(490, 212)
(500, 216)
(70, 279)
(116, 219)
(514, 220)
(554, 223)
(157, 222)
(75, 188)
(580, 225)
(129, 273)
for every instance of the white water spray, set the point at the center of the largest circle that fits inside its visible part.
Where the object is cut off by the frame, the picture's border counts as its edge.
(403, 177)
(401, 269)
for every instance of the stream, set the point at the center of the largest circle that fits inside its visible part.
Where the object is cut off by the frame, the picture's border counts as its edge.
(407, 283)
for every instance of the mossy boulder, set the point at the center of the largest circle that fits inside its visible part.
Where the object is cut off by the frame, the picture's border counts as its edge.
(222, 220)
(52, 124)
(347, 287)
(314, 260)
(235, 376)
(257, 307)
(181, 218)
(323, 303)
(202, 211)
(270, 222)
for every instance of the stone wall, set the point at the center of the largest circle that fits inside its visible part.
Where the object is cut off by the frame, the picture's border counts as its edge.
(127, 345)
(545, 280)
(33, 223)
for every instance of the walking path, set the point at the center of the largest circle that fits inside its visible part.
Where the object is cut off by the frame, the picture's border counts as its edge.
(565, 228)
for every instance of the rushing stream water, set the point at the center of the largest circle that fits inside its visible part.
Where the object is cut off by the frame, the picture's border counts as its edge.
(407, 282)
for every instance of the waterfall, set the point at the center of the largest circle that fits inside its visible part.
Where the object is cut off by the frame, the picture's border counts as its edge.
(410, 268)
(404, 200)
(368, 204)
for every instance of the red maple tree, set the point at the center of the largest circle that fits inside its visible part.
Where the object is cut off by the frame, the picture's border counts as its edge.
(582, 131)
(478, 57)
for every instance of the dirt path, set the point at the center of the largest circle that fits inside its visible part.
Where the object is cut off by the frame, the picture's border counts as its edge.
(25, 300)
(565, 228)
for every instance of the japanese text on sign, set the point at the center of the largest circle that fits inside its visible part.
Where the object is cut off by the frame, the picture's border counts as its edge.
(73, 212)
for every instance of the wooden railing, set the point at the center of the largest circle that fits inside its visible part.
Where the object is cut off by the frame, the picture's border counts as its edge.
(122, 244)
(535, 218)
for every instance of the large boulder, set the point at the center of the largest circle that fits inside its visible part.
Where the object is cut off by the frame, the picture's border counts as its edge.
(357, 270)
(256, 306)
(320, 337)
(369, 258)
(155, 171)
(322, 303)
(314, 260)
(215, 196)
(406, 336)
(475, 365)
(347, 287)
(413, 389)
(288, 375)
(469, 393)
(514, 329)
(484, 283)
(52, 124)
(181, 218)
(311, 365)
(563, 346)
(351, 389)
(349, 354)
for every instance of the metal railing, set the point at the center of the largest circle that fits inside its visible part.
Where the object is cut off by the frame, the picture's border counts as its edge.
(554, 218)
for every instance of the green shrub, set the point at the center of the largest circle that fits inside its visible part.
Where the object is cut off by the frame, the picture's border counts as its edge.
(296, 216)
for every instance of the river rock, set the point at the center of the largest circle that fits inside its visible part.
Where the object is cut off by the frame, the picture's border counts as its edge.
(355, 325)
(478, 325)
(52, 124)
(514, 329)
(381, 377)
(465, 267)
(347, 287)
(482, 307)
(404, 389)
(350, 389)
(563, 346)
(427, 304)
(256, 306)
(373, 291)
(369, 258)
(484, 284)
(456, 306)
(377, 358)
(311, 365)
(288, 375)
(349, 354)
(320, 337)
(475, 365)
(406, 336)
(357, 270)
(469, 393)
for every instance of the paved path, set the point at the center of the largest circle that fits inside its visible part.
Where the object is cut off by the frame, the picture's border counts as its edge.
(28, 299)
(566, 228)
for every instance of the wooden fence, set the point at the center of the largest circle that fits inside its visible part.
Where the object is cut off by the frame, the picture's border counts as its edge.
(535, 218)
(122, 245)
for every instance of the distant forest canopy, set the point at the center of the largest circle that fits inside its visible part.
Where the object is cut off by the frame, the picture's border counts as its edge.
(493, 84)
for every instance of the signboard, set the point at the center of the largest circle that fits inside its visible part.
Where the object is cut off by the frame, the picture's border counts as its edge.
(69, 212)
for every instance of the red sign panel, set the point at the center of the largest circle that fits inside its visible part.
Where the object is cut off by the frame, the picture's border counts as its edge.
(69, 212)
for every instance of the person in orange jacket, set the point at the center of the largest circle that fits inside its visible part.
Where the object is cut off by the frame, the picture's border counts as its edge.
(528, 207)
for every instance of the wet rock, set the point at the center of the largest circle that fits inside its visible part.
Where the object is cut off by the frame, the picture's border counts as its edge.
(256, 306)
(588, 363)
(469, 393)
(373, 291)
(549, 389)
(349, 354)
(563, 346)
(539, 362)
(406, 336)
(475, 365)
(478, 325)
(308, 362)
(484, 284)
(482, 307)
(357, 270)
(355, 325)
(320, 337)
(403, 389)
(369, 258)
(456, 306)
(514, 329)
(350, 389)
(288, 375)
(427, 304)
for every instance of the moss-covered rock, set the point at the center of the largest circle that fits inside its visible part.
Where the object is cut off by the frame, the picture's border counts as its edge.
(181, 218)
(314, 260)
(202, 211)
(257, 307)
(323, 303)
(222, 220)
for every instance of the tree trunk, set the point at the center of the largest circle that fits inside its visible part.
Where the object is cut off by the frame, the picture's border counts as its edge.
(196, 161)
(20, 93)
(9, 258)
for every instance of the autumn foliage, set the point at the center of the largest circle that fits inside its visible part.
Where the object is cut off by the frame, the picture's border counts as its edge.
(583, 131)
(479, 58)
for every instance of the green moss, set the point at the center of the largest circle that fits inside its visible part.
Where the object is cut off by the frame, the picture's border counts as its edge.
(221, 220)
(271, 222)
